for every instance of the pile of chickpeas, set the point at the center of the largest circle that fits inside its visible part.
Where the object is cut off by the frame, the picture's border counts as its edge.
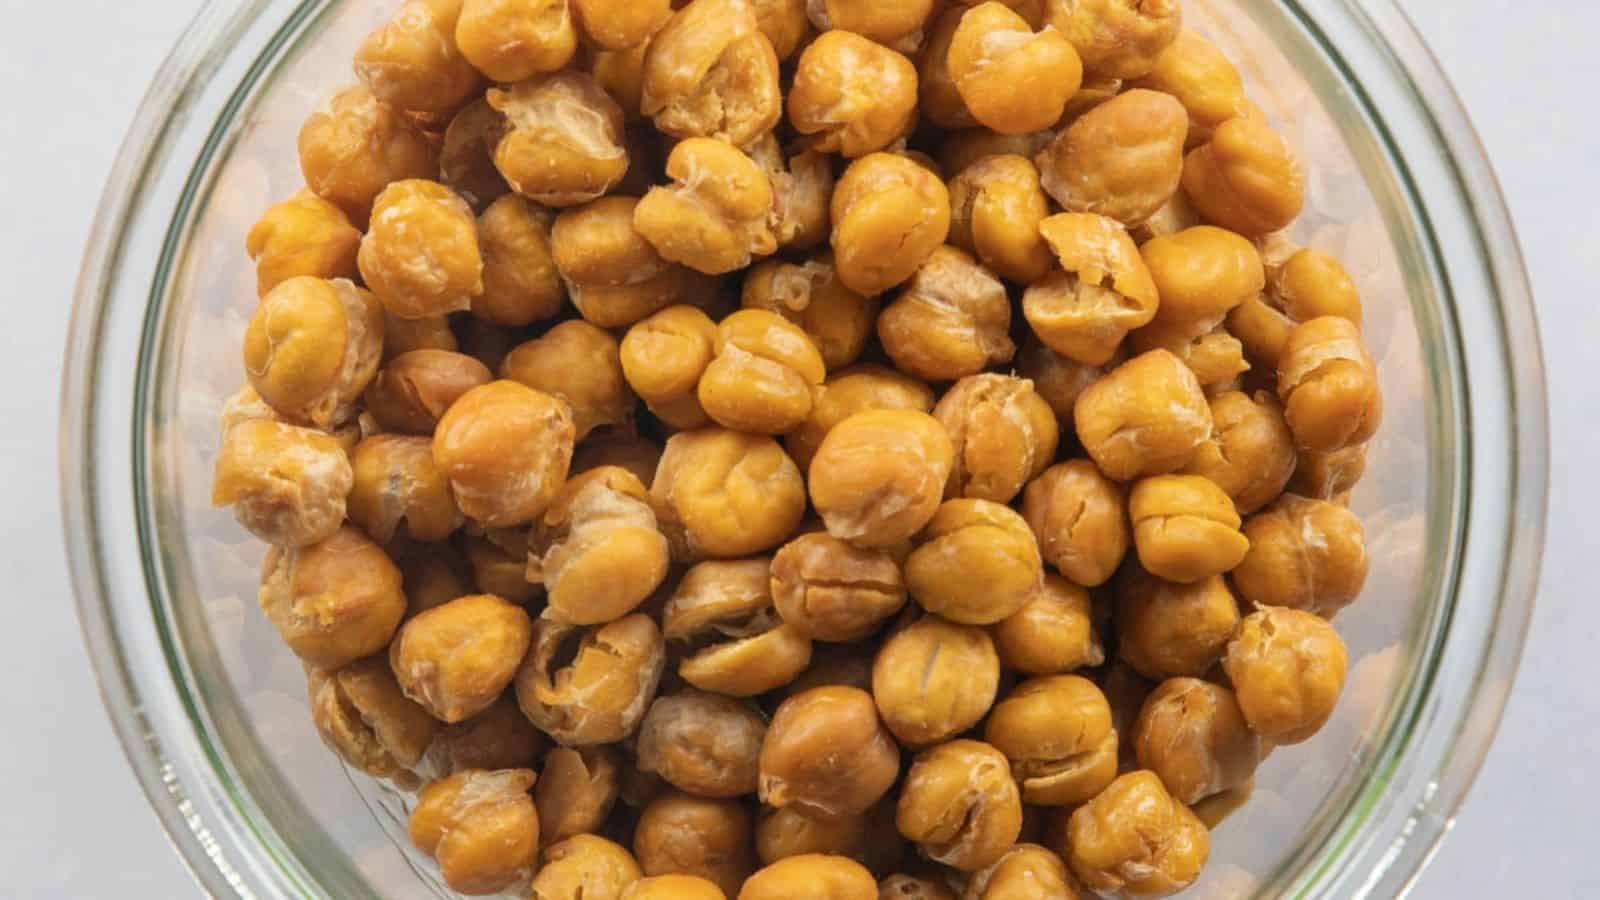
(792, 450)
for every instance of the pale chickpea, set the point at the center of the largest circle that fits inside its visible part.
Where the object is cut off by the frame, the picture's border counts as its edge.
(580, 364)
(716, 214)
(1168, 629)
(520, 282)
(723, 494)
(938, 99)
(764, 375)
(996, 206)
(412, 391)
(287, 485)
(1123, 159)
(710, 72)
(1304, 554)
(1004, 434)
(1202, 78)
(577, 790)
(702, 744)
(1287, 667)
(1101, 291)
(466, 157)
(361, 714)
(1080, 519)
(597, 549)
(853, 95)
(953, 319)
(395, 483)
(847, 392)
(421, 256)
(1117, 38)
(663, 358)
(1185, 528)
(1053, 633)
(1329, 385)
(836, 319)
(311, 348)
(564, 142)
(1245, 179)
(1308, 285)
(506, 449)
(1250, 453)
(356, 145)
(335, 601)
(1145, 417)
(963, 147)
(509, 40)
(1013, 80)
(960, 805)
(737, 645)
(482, 828)
(588, 686)
(878, 476)
(934, 679)
(802, 184)
(896, 24)
(614, 25)
(304, 235)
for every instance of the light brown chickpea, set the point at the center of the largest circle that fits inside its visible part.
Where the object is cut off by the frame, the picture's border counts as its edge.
(598, 693)
(335, 601)
(486, 343)
(964, 147)
(1026, 872)
(563, 144)
(1201, 274)
(506, 449)
(1003, 433)
(847, 392)
(836, 319)
(802, 184)
(1058, 379)
(1122, 159)
(960, 805)
(893, 24)
(1169, 629)
(784, 23)
(304, 235)
(1147, 416)
(585, 867)
(996, 205)
(401, 336)
(577, 790)
(938, 100)
(311, 348)
(879, 475)
(412, 63)
(413, 390)
(1329, 385)
(287, 485)
(1324, 476)
(716, 215)
(1135, 840)
(1101, 291)
(421, 256)
(910, 887)
(788, 832)
(725, 494)
(520, 281)
(1202, 78)
(1117, 38)
(355, 146)
(610, 25)
(890, 216)
(395, 482)
(481, 827)
(934, 679)
(1250, 453)
(614, 276)
(1013, 80)
(852, 95)
(702, 744)
(456, 659)
(499, 564)
(764, 376)
(679, 835)
(811, 876)
(710, 72)
(621, 447)
(597, 549)
(466, 155)
(1193, 736)
(1304, 554)
(826, 754)
(1053, 633)
(1245, 179)
(979, 563)
(832, 591)
(1215, 357)
(361, 714)
(1185, 528)
(674, 887)
(510, 40)
(952, 320)
(1287, 667)
(663, 357)
(1309, 284)
(1080, 520)
(1056, 731)
(621, 74)
(737, 644)
(578, 363)
(500, 737)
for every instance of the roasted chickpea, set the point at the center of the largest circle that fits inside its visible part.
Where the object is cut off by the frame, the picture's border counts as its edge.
(1147, 416)
(1215, 357)
(764, 375)
(784, 23)
(506, 449)
(737, 644)
(361, 714)
(674, 887)
(585, 867)
(510, 40)
(938, 100)
(716, 215)
(962, 148)
(1193, 736)
(895, 24)
(890, 216)
(401, 336)
(878, 476)
(610, 25)
(723, 494)
(500, 737)
(412, 63)
(1056, 378)
(826, 754)
(1004, 434)
(836, 319)
(1185, 528)
(1135, 840)
(710, 72)
(520, 282)
(499, 562)
(1245, 179)
(311, 348)
(1026, 872)
(620, 447)
(787, 832)
(855, 96)
(1202, 78)
(1057, 733)
(1287, 667)
(832, 591)
(960, 805)
(1201, 274)
(952, 319)
(1054, 632)
(811, 876)
(1101, 291)
(396, 481)
(1080, 521)
(1169, 629)
(1012, 80)
(355, 146)
(1304, 554)
(1117, 38)
(1329, 385)
(563, 144)
(703, 744)
(414, 389)
(996, 206)
(580, 364)
(614, 276)
(421, 256)
(663, 358)
(934, 679)
(1324, 476)
(466, 157)
(910, 887)
(481, 827)
(597, 550)
(1250, 455)
(335, 601)
(1122, 159)
(679, 835)
(287, 485)
(586, 686)
(802, 184)
(456, 659)
(577, 790)
(979, 564)
(304, 235)
(1308, 285)
(847, 392)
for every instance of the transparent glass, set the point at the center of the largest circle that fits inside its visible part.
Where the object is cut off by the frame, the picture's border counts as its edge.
(211, 709)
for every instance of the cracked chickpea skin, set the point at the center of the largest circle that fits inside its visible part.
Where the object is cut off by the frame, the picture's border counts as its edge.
(458, 658)
(847, 392)
(765, 374)
(1136, 840)
(710, 72)
(951, 320)
(585, 867)
(996, 205)
(564, 143)
(978, 563)
(827, 754)
(934, 679)
(1013, 80)
(737, 645)
(890, 216)
(421, 255)
(1287, 667)
(335, 601)
(586, 686)
(1117, 38)
(509, 40)
(412, 62)
(398, 489)
(1122, 160)
(833, 591)
(960, 805)
(597, 550)
(715, 215)
(1057, 733)
(311, 348)
(1003, 433)
(356, 145)
(481, 827)
(663, 357)
(693, 848)
(1100, 290)
(580, 364)
(878, 477)
(702, 744)
(287, 485)
(853, 96)
(577, 790)
(723, 494)
(838, 320)
(506, 449)
(1185, 528)
(303, 235)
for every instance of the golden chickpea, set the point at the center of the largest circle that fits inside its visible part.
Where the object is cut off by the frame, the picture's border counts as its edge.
(414, 389)
(481, 827)
(827, 755)
(620, 73)
(620, 447)
(311, 348)
(578, 363)
(456, 659)
(335, 601)
(934, 679)
(1058, 379)
(764, 374)
(1304, 554)
(614, 276)
(1026, 872)
(710, 72)
(960, 805)
(909, 887)
(894, 24)
(952, 320)
(723, 494)
(1117, 38)
(1308, 285)
(510, 40)
(1202, 78)
(1004, 434)
(564, 141)
(836, 319)
(1324, 476)
(737, 644)
(679, 835)
(577, 790)
(499, 564)
(890, 216)
(847, 392)
(702, 744)
(466, 157)
(1245, 179)
(979, 564)
(396, 481)
(996, 206)
(802, 184)
(811, 876)
(938, 100)
(1057, 733)
(506, 449)
(611, 25)
(598, 694)
(401, 336)
(1215, 357)
(421, 254)
(1135, 840)
(663, 357)
(500, 737)
(784, 23)
(597, 550)
(1250, 454)
(361, 714)
(412, 63)
(879, 475)
(1080, 520)
(1185, 528)
(853, 95)
(1287, 667)
(1192, 735)
(1101, 291)
(585, 867)
(832, 591)
(1013, 80)
(355, 146)
(1201, 274)
(1054, 632)
(302, 236)
(1169, 629)
(1329, 385)
(716, 215)
(520, 282)
(1145, 417)
(1123, 159)
(674, 887)
(287, 485)
(966, 146)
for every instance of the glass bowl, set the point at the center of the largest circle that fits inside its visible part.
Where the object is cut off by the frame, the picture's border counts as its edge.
(211, 708)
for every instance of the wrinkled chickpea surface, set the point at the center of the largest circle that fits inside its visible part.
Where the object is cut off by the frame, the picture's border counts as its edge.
(634, 408)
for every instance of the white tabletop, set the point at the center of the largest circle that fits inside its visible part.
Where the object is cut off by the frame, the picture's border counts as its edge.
(75, 825)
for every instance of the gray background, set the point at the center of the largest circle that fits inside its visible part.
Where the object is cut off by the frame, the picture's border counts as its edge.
(72, 822)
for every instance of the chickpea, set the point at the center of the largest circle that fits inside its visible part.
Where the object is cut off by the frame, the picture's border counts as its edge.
(979, 564)
(577, 790)
(1329, 385)
(802, 185)
(1057, 733)
(482, 828)
(1122, 159)
(934, 679)
(938, 100)
(827, 755)
(520, 282)
(1245, 179)
(619, 447)
(679, 835)
(952, 320)
(1102, 290)
(335, 601)
(311, 348)
(414, 389)
(586, 686)
(811, 876)
(1202, 78)
(996, 208)
(1057, 379)
(702, 744)
(893, 24)
(466, 157)
(1193, 736)
(401, 336)
(361, 714)
(1304, 554)
(855, 96)
(836, 319)
(500, 737)
(908, 887)
(1013, 80)
(710, 72)
(1004, 434)
(287, 485)
(1287, 667)
(1026, 872)
(1135, 840)
(1215, 357)
(355, 146)
(960, 805)
(1185, 528)
(966, 146)
(1250, 454)
(890, 216)
(1080, 520)
(764, 374)
(1201, 274)
(499, 566)
(456, 659)
(564, 141)
(412, 63)
(1169, 629)
(597, 550)
(585, 867)
(304, 235)
(847, 392)
(738, 645)
(1054, 632)
(1117, 38)
(510, 40)
(727, 494)
(717, 214)
(663, 358)
(620, 73)
(878, 476)
(1145, 417)
(578, 363)
(614, 276)
(1323, 476)
(396, 481)
(610, 25)
(784, 23)
(832, 591)
(674, 887)
(421, 255)
(787, 832)
(506, 449)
